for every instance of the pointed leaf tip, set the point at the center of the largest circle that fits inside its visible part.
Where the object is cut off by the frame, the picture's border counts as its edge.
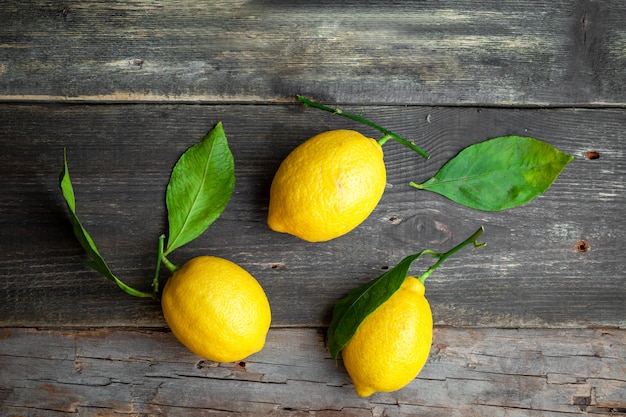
(200, 187)
(96, 260)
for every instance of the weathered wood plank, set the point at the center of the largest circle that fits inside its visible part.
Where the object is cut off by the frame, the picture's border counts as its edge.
(531, 274)
(479, 372)
(455, 52)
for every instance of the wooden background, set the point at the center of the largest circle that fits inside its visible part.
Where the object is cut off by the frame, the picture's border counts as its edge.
(534, 324)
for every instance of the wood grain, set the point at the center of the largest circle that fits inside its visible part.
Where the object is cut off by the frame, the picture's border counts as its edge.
(532, 273)
(479, 372)
(502, 52)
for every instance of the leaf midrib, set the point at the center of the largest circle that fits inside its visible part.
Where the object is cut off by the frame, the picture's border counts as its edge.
(488, 174)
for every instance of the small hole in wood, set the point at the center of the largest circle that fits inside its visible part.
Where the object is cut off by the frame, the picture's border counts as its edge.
(242, 364)
(395, 219)
(277, 265)
(384, 267)
(593, 155)
(582, 246)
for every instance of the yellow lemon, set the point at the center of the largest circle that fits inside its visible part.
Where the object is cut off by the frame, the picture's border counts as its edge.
(327, 186)
(216, 309)
(391, 345)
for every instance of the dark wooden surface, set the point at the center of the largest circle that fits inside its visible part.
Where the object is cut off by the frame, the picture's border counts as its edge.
(534, 324)
(531, 273)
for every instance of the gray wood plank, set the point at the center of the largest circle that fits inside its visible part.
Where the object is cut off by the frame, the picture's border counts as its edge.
(479, 372)
(458, 52)
(531, 274)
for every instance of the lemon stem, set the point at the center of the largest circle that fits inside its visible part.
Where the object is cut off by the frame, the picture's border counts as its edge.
(388, 134)
(170, 266)
(383, 140)
(443, 256)
(157, 269)
(136, 293)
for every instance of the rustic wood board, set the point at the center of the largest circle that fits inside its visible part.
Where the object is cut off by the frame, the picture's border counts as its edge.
(539, 314)
(479, 372)
(360, 52)
(531, 273)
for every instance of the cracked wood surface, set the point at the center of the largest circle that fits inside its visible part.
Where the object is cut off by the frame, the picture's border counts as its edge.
(470, 372)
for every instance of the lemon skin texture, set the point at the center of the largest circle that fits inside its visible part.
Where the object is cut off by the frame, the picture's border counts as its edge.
(327, 186)
(216, 309)
(392, 344)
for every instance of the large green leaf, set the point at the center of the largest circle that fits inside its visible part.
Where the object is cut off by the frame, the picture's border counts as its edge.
(499, 173)
(351, 310)
(96, 260)
(200, 187)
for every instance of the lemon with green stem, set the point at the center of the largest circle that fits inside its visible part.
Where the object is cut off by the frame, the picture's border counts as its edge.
(330, 183)
(384, 328)
(213, 306)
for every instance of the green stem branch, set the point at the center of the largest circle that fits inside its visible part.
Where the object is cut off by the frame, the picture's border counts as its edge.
(135, 293)
(170, 266)
(384, 140)
(157, 269)
(388, 134)
(443, 256)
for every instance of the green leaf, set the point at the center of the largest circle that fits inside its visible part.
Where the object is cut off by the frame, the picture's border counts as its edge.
(351, 310)
(499, 173)
(97, 262)
(200, 187)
